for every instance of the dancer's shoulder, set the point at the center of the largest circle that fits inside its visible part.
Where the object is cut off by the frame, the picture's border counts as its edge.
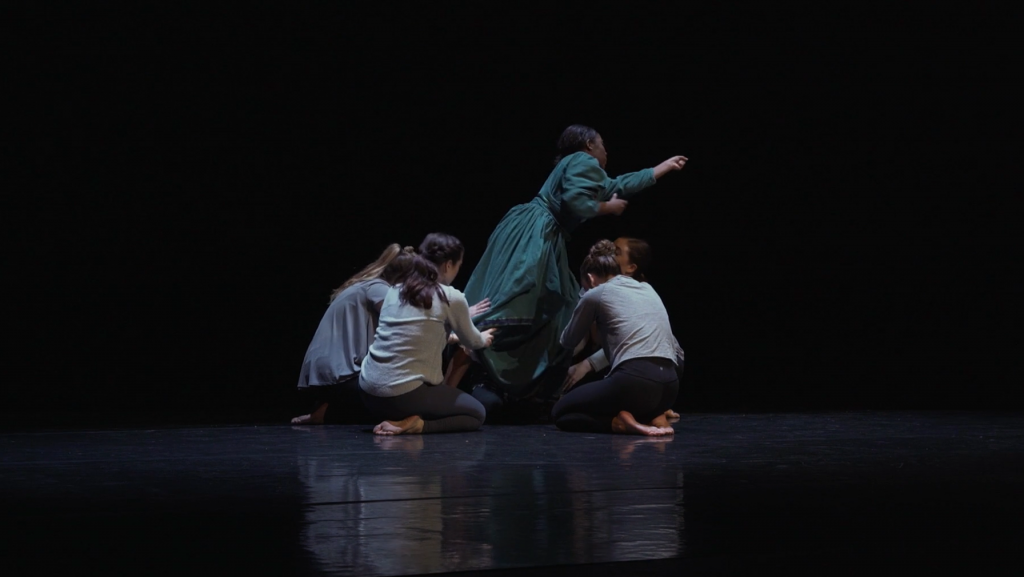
(453, 293)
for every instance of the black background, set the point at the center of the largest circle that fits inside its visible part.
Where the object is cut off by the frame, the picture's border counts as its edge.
(186, 185)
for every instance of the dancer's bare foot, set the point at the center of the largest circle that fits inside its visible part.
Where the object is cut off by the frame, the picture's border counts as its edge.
(408, 426)
(670, 414)
(662, 423)
(625, 424)
(314, 418)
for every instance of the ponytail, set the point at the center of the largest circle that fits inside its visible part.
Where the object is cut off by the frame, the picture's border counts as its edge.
(420, 284)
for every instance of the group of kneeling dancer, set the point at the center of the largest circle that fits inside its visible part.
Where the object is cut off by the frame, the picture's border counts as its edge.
(385, 334)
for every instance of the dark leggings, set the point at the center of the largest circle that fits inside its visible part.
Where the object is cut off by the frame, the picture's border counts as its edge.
(645, 387)
(443, 409)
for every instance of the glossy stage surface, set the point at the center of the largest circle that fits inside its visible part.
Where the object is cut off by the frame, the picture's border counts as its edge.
(823, 494)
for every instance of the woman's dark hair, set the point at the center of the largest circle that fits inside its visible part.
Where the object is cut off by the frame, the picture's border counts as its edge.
(439, 248)
(574, 139)
(398, 269)
(601, 260)
(640, 256)
(420, 284)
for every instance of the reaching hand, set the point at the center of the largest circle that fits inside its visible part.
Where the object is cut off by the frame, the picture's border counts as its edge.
(576, 372)
(480, 308)
(488, 337)
(674, 163)
(616, 205)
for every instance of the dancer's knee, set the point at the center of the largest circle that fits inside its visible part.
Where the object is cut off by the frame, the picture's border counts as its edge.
(487, 398)
(471, 407)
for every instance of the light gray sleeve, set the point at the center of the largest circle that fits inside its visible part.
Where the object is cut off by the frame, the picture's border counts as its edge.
(582, 317)
(462, 325)
(375, 293)
(598, 360)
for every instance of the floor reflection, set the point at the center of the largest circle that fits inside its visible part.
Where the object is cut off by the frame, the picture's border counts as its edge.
(419, 504)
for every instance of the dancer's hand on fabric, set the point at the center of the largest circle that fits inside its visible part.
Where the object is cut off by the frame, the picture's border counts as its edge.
(614, 206)
(488, 336)
(577, 372)
(480, 308)
(674, 163)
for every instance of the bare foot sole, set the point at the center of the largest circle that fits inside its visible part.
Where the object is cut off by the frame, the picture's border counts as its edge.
(408, 426)
(304, 420)
(661, 423)
(314, 418)
(625, 424)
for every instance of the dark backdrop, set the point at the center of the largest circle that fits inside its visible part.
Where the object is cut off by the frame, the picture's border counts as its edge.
(185, 186)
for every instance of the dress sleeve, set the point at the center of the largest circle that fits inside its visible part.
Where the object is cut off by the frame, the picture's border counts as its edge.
(462, 325)
(627, 185)
(583, 185)
(582, 317)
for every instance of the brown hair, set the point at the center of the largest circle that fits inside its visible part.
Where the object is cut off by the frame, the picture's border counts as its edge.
(601, 260)
(372, 270)
(639, 256)
(420, 283)
(398, 269)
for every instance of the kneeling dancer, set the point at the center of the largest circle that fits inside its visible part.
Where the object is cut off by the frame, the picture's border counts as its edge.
(636, 336)
(400, 377)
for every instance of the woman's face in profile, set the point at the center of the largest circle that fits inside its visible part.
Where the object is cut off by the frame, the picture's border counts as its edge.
(596, 149)
(622, 254)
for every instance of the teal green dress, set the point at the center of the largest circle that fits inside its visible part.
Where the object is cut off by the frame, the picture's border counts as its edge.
(526, 274)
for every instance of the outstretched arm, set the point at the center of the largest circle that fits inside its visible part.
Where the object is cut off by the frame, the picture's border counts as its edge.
(627, 185)
(670, 165)
(462, 325)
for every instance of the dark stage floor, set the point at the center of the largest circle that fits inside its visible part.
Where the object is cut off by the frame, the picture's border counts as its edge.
(824, 494)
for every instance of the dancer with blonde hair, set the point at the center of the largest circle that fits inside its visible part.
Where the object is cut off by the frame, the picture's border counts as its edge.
(330, 369)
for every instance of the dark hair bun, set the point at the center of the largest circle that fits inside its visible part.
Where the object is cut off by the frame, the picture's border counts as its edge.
(602, 248)
(409, 250)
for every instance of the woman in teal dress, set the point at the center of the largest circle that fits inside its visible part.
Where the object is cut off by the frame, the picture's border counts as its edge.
(524, 270)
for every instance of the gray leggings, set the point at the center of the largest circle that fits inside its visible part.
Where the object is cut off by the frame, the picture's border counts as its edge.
(443, 409)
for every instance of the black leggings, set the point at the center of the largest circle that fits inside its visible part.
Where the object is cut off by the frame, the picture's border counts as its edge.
(645, 387)
(443, 409)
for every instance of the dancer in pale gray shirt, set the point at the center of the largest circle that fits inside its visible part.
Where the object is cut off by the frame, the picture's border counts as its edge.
(636, 338)
(401, 378)
(634, 258)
